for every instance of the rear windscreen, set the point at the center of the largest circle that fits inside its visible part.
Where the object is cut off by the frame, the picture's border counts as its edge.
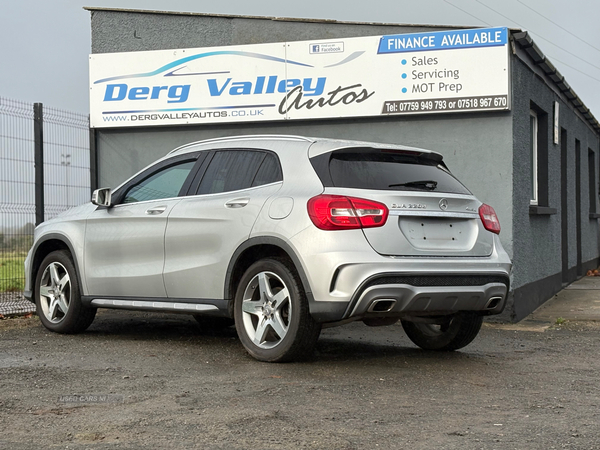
(386, 170)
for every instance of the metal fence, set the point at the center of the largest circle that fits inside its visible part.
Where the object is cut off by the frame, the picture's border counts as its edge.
(62, 141)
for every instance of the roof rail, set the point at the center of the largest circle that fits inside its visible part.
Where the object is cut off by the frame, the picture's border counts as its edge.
(251, 137)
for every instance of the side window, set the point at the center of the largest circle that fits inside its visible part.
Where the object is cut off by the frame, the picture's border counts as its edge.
(269, 171)
(165, 183)
(533, 156)
(592, 183)
(230, 170)
(539, 196)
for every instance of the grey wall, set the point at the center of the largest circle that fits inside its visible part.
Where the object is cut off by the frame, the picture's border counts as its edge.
(476, 148)
(117, 31)
(537, 251)
(488, 151)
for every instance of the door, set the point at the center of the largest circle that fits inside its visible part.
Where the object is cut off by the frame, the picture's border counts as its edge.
(124, 244)
(564, 205)
(205, 229)
(578, 211)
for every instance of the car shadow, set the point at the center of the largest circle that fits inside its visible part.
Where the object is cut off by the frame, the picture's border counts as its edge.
(137, 325)
(353, 342)
(356, 350)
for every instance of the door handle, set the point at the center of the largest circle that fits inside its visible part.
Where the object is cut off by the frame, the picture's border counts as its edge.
(156, 210)
(237, 202)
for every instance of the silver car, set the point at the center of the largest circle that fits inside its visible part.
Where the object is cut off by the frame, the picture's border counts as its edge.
(281, 236)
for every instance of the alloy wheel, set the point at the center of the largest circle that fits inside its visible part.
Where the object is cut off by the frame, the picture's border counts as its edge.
(266, 309)
(55, 292)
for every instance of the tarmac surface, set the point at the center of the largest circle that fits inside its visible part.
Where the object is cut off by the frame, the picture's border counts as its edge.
(154, 381)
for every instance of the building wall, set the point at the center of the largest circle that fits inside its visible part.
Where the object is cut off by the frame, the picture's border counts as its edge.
(485, 169)
(488, 151)
(537, 238)
(119, 31)
(475, 146)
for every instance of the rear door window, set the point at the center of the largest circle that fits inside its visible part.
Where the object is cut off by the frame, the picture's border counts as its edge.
(232, 170)
(386, 170)
(269, 172)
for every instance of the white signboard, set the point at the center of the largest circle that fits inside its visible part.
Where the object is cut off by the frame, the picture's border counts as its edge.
(447, 71)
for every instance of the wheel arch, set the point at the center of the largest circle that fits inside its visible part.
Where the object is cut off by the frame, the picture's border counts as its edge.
(255, 249)
(46, 245)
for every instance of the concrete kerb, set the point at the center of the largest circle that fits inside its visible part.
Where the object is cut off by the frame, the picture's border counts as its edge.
(578, 302)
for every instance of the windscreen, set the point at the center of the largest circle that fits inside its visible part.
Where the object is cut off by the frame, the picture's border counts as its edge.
(386, 170)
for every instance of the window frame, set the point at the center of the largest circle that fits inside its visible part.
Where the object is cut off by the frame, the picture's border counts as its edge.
(277, 161)
(533, 149)
(592, 182)
(157, 187)
(210, 154)
(121, 192)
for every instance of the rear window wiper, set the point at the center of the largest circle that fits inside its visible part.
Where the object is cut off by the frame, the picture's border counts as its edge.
(421, 184)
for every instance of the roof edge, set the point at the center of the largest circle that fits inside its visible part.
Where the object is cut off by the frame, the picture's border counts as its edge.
(521, 37)
(525, 41)
(274, 18)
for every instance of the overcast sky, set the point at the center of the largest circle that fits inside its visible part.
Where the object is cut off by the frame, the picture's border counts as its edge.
(45, 43)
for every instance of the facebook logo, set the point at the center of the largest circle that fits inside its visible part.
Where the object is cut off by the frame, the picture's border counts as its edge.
(326, 47)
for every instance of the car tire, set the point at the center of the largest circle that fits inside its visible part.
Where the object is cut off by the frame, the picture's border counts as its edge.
(58, 295)
(454, 334)
(212, 323)
(271, 313)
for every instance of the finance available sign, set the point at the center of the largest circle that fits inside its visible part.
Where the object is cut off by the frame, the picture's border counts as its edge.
(446, 71)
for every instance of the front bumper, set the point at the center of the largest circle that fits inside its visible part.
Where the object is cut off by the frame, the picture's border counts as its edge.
(28, 292)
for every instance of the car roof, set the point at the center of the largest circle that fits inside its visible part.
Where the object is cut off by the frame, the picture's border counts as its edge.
(240, 141)
(314, 145)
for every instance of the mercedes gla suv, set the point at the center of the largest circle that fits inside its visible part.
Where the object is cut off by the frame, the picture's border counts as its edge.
(281, 236)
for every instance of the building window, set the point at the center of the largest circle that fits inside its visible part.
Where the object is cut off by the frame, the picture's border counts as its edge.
(533, 154)
(592, 180)
(539, 196)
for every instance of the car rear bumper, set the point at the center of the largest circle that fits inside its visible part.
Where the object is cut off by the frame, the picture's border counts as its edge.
(389, 295)
(392, 299)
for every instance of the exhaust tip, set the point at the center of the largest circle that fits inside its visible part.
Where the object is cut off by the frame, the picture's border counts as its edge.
(493, 302)
(382, 305)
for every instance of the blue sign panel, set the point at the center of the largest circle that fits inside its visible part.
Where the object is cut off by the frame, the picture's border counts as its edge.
(443, 40)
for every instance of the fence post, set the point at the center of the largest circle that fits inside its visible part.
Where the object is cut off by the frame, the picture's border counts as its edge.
(93, 161)
(38, 136)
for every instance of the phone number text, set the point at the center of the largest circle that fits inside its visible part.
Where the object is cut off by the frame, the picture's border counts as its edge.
(445, 104)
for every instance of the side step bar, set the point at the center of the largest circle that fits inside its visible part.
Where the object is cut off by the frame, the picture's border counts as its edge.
(137, 305)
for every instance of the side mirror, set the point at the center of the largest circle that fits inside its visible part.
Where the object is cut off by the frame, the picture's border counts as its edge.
(102, 197)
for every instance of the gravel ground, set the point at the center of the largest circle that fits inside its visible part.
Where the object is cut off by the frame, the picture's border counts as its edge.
(159, 381)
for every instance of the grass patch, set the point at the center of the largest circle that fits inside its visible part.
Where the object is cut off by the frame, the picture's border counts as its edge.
(12, 272)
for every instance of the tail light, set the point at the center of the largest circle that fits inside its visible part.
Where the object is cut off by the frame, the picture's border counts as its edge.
(337, 212)
(489, 218)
